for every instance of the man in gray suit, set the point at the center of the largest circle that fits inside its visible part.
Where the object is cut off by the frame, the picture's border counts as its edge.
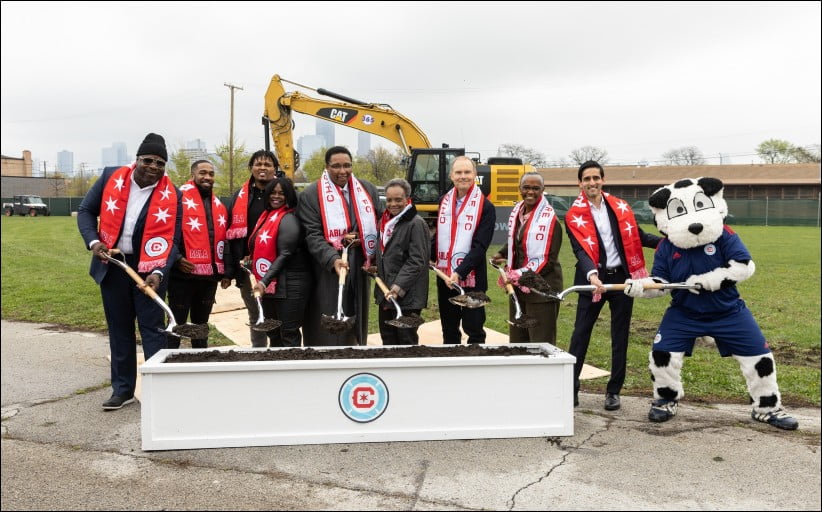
(335, 210)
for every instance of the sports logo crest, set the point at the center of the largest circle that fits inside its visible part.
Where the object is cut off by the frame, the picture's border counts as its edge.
(363, 397)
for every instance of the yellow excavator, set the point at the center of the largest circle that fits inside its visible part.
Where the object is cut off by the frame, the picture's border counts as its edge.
(428, 168)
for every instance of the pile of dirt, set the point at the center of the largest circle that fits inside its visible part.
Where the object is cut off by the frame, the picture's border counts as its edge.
(292, 354)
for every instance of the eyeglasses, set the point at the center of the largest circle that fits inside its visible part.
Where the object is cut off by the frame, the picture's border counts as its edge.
(535, 189)
(156, 161)
(337, 167)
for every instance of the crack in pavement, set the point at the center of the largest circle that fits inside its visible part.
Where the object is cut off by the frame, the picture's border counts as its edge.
(511, 503)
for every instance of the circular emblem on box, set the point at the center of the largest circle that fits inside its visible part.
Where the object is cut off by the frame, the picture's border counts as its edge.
(363, 397)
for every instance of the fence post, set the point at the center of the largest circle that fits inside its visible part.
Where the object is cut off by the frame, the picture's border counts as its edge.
(766, 210)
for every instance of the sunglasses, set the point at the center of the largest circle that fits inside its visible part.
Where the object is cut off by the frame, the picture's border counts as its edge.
(156, 161)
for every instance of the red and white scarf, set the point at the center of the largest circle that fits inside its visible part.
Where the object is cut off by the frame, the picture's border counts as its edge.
(536, 236)
(455, 231)
(580, 223)
(336, 217)
(388, 223)
(265, 244)
(195, 231)
(239, 214)
(158, 232)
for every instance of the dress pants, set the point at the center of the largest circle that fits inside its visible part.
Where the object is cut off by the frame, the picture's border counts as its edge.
(452, 315)
(194, 298)
(587, 313)
(391, 335)
(123, 303)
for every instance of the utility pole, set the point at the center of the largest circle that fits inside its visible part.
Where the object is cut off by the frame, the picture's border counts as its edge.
(231, 141)
(45, 173)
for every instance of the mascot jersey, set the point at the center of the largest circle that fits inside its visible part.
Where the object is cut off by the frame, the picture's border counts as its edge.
(675, 265)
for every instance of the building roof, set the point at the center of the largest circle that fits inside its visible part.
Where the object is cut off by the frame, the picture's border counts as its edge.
(753, 174)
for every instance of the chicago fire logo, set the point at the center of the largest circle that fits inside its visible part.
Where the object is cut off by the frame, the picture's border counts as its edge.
(363, 397)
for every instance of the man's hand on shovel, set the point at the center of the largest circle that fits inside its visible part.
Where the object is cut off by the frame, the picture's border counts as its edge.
(100, 251)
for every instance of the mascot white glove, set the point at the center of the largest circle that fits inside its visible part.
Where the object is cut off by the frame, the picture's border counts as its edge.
(734, 272)
(638, 288)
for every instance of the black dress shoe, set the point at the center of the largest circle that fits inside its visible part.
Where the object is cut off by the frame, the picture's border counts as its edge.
(611, 401)
(117, 402)
(576, 400)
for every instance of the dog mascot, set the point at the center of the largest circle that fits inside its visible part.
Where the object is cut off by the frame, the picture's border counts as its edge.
(702, 252)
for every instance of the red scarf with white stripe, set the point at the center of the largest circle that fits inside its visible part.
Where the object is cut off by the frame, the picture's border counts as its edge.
(198, 248)
(455, 231)
(580, 223)
(536, 236)
(265, 244)
(336, 218)
(158, 232)
(239, 214)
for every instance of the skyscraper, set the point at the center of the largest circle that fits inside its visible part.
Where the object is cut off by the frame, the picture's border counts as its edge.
(307, 145)
(65, 162)
(325, 129)
(116, 155)
(363, 143)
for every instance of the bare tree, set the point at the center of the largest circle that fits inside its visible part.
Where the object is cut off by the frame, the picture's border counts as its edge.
(807, 155)
(527, 155)
(58, 184)
(585, 153)
(385, 165)
(687, 155)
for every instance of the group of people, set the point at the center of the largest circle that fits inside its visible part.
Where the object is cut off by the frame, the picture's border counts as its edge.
(291, 250)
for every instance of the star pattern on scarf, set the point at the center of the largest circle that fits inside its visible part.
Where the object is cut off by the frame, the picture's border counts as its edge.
(629, 228)
(242, 192)
(590, 241)
(194, 224)
(221, 220)
(579, 221)
(623, 206)
(264, 237)
(119, 183)
(216, 201)
(165, 193)
(190, 203)
(162, 214)
(111, 205)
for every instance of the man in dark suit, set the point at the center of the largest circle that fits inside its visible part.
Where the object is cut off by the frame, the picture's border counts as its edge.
(607, 242)
(139, 211)
(465, 226)
(334, 210)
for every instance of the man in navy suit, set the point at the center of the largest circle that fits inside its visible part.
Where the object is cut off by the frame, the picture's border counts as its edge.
(139, 212)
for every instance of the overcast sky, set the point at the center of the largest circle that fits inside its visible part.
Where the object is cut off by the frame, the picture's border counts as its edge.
(635, 79)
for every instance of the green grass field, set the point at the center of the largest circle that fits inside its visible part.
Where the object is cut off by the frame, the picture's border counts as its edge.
(45, 279)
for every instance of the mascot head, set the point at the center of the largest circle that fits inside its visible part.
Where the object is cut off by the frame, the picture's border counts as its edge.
(690, 212)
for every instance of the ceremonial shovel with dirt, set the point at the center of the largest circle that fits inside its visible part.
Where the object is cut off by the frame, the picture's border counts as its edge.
(401, 321)
(339, 323)
(470, 300)
(521, 320)
(173, 331)
(262, 324)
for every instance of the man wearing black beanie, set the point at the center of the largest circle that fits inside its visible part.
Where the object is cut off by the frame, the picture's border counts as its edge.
(140, 214)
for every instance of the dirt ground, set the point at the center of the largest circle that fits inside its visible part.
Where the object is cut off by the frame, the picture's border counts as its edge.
(350, 353)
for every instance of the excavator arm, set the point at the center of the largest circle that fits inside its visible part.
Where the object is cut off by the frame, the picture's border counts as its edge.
(380, 120)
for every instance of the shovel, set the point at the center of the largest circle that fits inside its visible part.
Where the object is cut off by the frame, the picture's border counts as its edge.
(470, 300)
(339, 323)
(401, 321)
(173, 331)
(621, 286)
(520, 320)
(262, 324)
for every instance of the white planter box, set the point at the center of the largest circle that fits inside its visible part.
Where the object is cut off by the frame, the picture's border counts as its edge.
(262, 403)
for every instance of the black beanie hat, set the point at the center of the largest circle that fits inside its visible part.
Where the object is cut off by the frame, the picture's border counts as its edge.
(153, 144)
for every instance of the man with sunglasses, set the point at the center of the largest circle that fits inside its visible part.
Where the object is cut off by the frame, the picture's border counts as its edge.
(335, 210)
(140, 215)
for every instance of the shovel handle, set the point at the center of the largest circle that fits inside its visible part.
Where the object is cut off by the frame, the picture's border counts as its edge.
(381, 284)
(343, 271)
(441, 274)
(508, 286)
(145, 288)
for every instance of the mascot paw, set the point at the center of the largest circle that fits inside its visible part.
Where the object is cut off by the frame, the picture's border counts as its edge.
(634, 288)
(695, 281)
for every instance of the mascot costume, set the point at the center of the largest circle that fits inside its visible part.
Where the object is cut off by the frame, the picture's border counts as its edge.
(701, 251)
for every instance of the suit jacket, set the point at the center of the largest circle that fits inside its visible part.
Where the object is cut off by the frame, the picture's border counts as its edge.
(475, 259)
(87, 222)
(404, 262)
(585, 264)
(551, 272)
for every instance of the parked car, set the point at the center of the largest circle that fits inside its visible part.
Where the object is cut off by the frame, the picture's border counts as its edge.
(642, 212)
(559, 204)
(26, 205)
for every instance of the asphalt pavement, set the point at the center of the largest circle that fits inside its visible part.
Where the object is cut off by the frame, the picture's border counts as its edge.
(61, 451)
